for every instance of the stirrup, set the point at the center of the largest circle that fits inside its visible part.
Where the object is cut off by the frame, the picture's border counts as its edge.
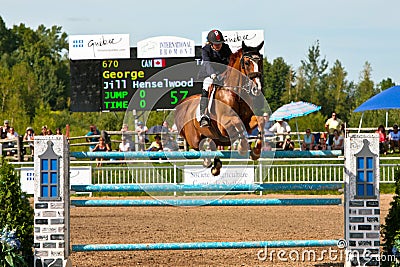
(204, 121)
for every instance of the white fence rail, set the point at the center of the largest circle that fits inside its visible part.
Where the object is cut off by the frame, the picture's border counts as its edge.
(266, 171)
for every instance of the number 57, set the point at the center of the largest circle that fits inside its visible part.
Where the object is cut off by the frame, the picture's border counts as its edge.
(174, 96)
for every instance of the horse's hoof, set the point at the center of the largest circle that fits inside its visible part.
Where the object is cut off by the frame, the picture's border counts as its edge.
(254, 155)
(215, 171)
(217, 163)
(207, 163)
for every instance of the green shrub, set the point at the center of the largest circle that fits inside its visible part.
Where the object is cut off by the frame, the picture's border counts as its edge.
(16, 212)
(391, 230)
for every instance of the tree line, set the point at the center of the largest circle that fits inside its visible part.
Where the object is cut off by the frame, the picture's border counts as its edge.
(35, 85)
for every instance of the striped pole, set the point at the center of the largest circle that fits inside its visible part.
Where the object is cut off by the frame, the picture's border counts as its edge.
(205, 245)
(204, 188)
(204, 154)
(149, 155)
(205, 202)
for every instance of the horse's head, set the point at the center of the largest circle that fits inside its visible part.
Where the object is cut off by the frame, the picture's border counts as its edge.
(251, 64)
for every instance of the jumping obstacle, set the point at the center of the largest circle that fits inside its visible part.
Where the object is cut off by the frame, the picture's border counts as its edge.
(205, 245)
(203, 154)
(205, 202)
(52, 203)
(205, 188)
(149, 155)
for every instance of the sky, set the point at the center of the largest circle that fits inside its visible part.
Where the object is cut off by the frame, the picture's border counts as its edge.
(351, 31)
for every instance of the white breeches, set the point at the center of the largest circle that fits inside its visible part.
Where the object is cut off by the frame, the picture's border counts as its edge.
(207, 82)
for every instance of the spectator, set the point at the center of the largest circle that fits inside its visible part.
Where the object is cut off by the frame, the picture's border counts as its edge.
(288, 144)
(12, 134)
(92, 131)
(101, 147)
(44, 130)
(174, 129)
(29, 136)
(127, 136)
(394, 138)
(4, 129)
(382, 139)
(333, 123)
(267, 125)
(141, 131)
(49, 132)
(58, 131)
(308, 141)
(338, 141)
(321, 145)
(125, 145)
(165, 124)
(156, 145)
(281, 129)
(170, 144)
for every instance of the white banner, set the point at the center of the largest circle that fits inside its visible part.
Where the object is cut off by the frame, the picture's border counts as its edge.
(78, 176)
(165, 46)
(234, 38)
(231, 174)
(99, 46)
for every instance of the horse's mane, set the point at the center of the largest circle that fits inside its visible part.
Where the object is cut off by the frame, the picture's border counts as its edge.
(235, 57)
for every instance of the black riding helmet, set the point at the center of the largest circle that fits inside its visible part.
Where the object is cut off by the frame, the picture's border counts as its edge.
(215, 37)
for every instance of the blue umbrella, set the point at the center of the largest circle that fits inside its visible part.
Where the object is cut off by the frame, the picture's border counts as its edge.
(387, 99)
(293, 110)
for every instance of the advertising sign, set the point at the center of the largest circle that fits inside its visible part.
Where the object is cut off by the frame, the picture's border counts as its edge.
(165, 46)
(234, 38)
(99, 46)
(232, 174)
(79, 175)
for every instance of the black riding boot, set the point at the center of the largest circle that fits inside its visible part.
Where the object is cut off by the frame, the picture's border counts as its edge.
(204, 120)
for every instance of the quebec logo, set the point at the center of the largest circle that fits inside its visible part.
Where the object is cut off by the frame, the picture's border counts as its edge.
(77, 43)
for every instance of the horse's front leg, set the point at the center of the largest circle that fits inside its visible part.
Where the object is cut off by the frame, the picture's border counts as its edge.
(238, 131)
(216, 170)
(207, 144)
(259, 122)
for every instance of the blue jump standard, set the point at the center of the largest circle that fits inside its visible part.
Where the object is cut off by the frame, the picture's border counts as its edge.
(204, 154)
(208, 188)
(205, 202)
(205, 245)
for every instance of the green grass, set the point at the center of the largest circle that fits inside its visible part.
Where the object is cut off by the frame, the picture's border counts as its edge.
(386, 188)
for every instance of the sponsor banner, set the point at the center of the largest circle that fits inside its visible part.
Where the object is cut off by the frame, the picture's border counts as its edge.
(78, 176)
(234, 38)
(165, 46)
(103, 46)
(232, 174)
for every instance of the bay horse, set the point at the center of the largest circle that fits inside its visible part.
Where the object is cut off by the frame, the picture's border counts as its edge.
(232, 111)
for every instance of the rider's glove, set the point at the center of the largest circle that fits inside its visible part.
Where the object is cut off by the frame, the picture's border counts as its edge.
(213, 76)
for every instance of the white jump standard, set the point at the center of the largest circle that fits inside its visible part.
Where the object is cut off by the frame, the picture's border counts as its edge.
(52, 204)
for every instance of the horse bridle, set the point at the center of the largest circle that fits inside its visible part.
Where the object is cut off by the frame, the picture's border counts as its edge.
(255, 58)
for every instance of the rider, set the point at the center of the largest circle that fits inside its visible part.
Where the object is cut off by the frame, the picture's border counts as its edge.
(215, 51)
